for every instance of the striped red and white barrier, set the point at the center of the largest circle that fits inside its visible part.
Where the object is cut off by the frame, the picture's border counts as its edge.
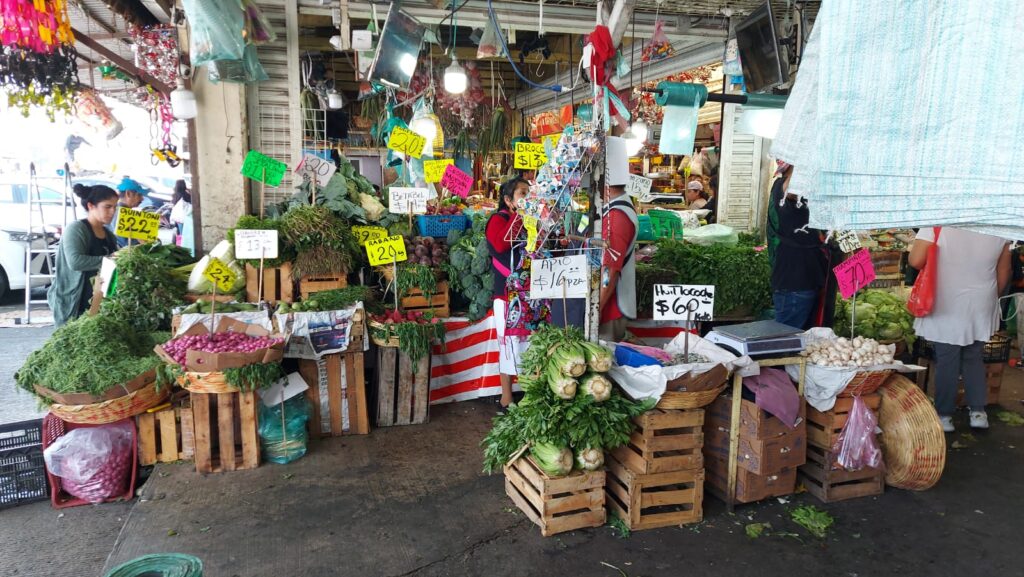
(467, 367)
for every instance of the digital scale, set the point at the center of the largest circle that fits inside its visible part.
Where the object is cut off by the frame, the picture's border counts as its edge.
(758, 338)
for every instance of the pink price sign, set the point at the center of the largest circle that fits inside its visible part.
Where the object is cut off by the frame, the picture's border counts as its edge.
(855, 273)
(456, 181)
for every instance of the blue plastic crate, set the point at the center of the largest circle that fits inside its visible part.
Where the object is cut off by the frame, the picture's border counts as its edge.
(629, 357)
(439, 225)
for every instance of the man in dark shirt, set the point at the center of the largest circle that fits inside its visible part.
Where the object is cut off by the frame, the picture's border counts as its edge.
(799, 270)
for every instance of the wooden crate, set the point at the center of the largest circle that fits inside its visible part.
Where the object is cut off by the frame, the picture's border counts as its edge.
(750, 487)
(337, 393)
(556, 505)
(403, 398)
(226, 436)
(278, 285)
(310, 284)
(649, 501)
(666, 440)
(755, 422)
(759, 456)
(823, 479)
(823, 428)
(166, 436)
(437, 302)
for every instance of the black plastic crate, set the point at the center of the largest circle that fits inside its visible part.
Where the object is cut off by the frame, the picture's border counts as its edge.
(22, 477)
(997, 350)
(21, 435)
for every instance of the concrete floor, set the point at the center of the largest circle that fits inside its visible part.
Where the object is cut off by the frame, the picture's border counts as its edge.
(409, 501)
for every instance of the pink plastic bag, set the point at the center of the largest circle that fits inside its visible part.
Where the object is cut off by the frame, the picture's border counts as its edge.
(93, 462)
(659, 47)
(857, 446)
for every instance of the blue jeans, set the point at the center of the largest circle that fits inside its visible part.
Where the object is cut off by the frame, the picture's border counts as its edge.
(794, 308)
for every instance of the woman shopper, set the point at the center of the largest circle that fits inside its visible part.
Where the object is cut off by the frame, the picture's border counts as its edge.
(696, 197)
(82, 248)
(973, 270)
(503, 227)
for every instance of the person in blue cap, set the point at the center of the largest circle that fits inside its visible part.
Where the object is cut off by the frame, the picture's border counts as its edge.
(130, 194)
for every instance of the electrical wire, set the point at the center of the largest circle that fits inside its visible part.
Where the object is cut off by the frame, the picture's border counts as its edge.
(504, 45)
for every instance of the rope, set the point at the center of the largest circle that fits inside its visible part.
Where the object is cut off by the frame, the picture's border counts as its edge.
(160, 565)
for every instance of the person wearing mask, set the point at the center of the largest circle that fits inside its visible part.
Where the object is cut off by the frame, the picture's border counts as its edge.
(130, 194)
(619, 226)
(973, 270)
(503, 227)
(799, 268)
(82, 247)
(696, 198)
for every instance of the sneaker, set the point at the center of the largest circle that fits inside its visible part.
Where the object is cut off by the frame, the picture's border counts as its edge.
(979, 420)
(947, 424)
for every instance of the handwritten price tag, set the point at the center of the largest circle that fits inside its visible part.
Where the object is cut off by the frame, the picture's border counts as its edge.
(855, 273)
(367, 233)
(255, 163)
(407, 142)
(403, 199)
(529, 156)
(639, 186)
(848, 241)
(386, 250)
(457, 182)
(137, 224)
(674, 302)
(314, 166)
(433, 170)
(219, 274)
(548, 277)
(255, 243)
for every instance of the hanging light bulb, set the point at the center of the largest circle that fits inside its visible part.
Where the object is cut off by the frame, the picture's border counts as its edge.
(455, 80)
(183, 102)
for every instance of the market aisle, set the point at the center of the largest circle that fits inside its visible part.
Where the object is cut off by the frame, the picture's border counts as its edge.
(15, 346)
(411, 501)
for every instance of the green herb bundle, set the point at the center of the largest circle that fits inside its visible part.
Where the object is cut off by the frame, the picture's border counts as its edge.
(147, 290)
(415, 276)
(254, 377)
(741, 274)
(285, 251)
(323, 242)
(469, 268)
(414, 339)
(338, 299)
(90, 355)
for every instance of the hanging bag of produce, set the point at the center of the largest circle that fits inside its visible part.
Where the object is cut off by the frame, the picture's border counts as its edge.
(922, 296)
(490, 46)
(857, 445)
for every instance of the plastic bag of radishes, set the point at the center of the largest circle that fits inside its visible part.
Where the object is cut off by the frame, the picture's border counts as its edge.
(857, 445)
(93, 462)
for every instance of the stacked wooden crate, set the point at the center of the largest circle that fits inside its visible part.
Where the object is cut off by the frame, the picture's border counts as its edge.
(556, 504)
(657, 479)
(768, 455)
(822, 475)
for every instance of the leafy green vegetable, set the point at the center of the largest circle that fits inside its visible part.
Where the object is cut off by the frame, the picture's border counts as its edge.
(878, 314)
(741, 274)
(337, 299)
(414, 338)
(469, 268)
(254, 376)
(1012, 419)
(619, 526)
(324, 243)
(147, 289)
(553, 459)
(285, 251)
(415, 276)
(813, 519)
(755, 530)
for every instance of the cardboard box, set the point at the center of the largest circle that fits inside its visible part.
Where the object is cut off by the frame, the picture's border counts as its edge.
(203, 362)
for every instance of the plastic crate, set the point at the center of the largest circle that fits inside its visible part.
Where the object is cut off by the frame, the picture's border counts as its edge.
(645, 231)
(53, 429)
(665, 224)
(997, 349)
(439, 225)
(629, 357)
(22, 469)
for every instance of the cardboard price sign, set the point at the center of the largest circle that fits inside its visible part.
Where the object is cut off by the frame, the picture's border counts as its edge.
(407, 142)
(367, 233)
(255, 163)
(848, 241)
(386, 250)
(548, 277)
(255, 243)
(137, 224)
(680, 302)
(457, 182)
(855, 273)
(403, 199)
(219, 274)
(529, 156)
(433, 170)
(639, 186)
(314, 166)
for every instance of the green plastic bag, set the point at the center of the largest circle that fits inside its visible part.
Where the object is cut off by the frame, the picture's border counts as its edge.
(284, 440)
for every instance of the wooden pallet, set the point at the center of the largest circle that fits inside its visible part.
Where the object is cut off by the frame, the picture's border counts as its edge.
(278, 285)
(666, 440)
(225, 431)
(403, 398)
(556, 505)
(649, 501)
(166, 436)
(829, 484)
(759, 456)
(750, 487)
(337, 389)
(309, 284)
(755, 422)
(437, 302)
(823, 428)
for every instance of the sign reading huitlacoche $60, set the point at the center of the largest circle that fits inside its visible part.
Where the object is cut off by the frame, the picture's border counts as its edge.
(679, 302)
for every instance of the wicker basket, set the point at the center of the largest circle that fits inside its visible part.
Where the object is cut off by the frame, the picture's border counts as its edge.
(377, 330)
(209, 383)
(113, 410)
(676, 400)
(866, 382)
(913, 443)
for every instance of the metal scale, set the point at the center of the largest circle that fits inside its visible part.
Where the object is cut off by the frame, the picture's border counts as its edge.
(758, 338)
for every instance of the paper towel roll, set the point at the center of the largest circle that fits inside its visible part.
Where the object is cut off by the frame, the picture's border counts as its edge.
(682, 102)
(616, 164)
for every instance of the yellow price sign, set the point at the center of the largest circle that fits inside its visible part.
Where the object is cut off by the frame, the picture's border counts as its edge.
(530, 223)
(433, 170)
(137, 224)
(386, 250)
(219, 274)
(529, 156)
(368, 233)
(407, 142)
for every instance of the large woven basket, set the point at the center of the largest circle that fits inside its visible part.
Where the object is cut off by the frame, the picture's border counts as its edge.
(866, 382)
(123, 407)
(209, 383)
(701, 390)
(377, 330)
(677, 400)
(913, 443)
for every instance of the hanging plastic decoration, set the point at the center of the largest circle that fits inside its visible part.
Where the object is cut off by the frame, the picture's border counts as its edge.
(38, 63)
(156, 52)
(91, 111)
(659, 47)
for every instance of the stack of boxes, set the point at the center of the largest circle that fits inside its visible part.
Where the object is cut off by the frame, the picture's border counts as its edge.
(822, 475)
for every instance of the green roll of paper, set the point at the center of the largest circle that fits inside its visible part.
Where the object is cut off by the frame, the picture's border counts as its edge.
(160, 564)
(682, 102)
(681, 94)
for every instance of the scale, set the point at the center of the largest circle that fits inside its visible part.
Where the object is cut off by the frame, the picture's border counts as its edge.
(758, 338)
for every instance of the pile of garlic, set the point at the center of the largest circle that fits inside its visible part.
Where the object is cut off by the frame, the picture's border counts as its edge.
(843, 352)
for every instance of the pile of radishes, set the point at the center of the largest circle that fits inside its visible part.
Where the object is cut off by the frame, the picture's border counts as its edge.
(393, 316)
(228, 342)
(426, 251)
(843, 352)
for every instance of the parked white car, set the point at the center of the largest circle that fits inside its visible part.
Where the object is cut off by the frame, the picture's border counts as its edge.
(14, 205)
(12, 260)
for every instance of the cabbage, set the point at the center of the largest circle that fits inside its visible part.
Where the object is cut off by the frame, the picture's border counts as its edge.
(554, 460)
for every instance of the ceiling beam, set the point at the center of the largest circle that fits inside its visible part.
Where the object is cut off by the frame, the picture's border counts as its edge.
(121, 62)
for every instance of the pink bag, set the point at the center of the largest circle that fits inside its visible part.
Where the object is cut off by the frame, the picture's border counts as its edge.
(857, 445)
